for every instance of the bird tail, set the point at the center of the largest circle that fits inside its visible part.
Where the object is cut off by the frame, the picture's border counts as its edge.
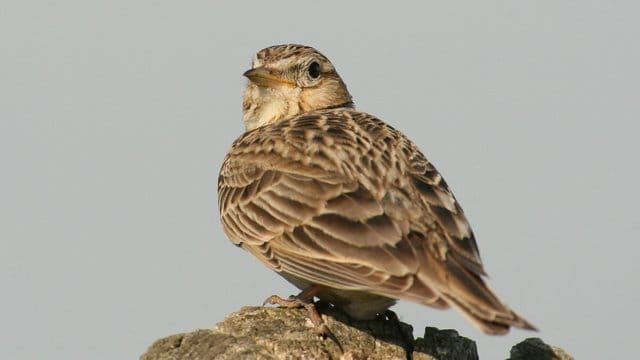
(490, 321)
(462, 288)
(468, 293)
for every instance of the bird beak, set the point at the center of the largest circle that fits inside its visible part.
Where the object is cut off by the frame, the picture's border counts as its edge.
(265, 77)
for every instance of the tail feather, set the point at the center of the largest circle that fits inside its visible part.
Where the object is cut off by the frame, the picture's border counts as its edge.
(492, 322)
(466, 291)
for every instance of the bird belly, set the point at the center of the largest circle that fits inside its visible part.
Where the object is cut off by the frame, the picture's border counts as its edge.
(358, 304)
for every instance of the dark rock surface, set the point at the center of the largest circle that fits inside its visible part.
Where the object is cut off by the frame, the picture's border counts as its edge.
(536, 349)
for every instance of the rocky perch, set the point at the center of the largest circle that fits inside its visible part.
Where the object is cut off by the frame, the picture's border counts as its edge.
(272, 333)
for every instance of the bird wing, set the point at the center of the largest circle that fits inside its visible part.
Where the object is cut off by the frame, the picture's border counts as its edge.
(341, 199)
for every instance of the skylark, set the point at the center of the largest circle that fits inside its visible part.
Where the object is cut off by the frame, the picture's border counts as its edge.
(341, 204)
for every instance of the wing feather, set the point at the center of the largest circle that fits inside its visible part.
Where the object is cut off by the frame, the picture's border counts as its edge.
(283, 187)
(338, 198)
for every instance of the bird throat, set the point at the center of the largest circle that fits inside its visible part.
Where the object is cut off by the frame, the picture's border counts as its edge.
(265, 105)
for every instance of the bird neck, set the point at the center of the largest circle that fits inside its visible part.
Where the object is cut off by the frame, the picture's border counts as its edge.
(263, 106)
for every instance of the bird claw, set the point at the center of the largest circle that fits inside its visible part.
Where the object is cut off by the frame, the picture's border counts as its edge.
(324, 331)
(304, 301)
(290, 302)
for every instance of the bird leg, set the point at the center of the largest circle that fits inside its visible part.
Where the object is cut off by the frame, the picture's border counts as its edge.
(305, 299)
(407, 337)
(295, 301)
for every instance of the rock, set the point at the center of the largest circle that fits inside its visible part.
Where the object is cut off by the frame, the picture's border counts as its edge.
(446, 345)
(274, 333)
(536, 349)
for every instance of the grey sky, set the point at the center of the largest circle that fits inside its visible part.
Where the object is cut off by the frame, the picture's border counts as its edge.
(115, 117)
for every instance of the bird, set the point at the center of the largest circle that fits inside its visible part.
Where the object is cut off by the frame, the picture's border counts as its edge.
(343, 205)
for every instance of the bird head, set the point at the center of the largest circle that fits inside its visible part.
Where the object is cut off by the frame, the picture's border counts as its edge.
(288, 80)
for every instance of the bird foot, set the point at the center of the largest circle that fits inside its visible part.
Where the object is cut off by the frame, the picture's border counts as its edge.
(290, 302)
(304, 301)
(407, 337)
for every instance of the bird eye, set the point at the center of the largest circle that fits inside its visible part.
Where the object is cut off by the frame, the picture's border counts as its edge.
(314, 70)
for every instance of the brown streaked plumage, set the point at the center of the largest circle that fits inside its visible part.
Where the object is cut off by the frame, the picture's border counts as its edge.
(327, 195)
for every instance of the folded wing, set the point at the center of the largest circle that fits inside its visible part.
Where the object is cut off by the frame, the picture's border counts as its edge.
(341, 199)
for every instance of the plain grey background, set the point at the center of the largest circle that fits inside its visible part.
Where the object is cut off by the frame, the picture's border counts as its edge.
(115, 117)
